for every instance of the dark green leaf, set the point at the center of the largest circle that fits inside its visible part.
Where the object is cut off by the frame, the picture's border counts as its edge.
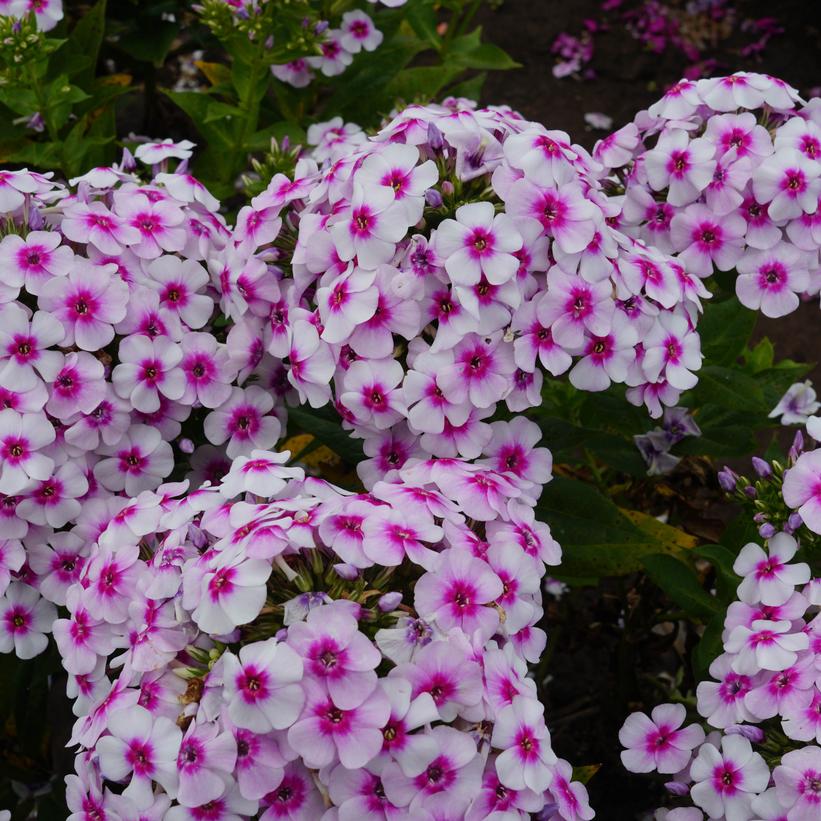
(681, 584)
(722, 560)
(709, 647)
(724, 329)
(731, 388)
(321, 423)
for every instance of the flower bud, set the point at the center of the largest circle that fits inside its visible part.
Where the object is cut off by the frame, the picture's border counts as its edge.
(389, 602)
(346, 571)
(766, 531)
(762, 468)
(676, 788)
(749, 731)
(727, 479)
(433, 198)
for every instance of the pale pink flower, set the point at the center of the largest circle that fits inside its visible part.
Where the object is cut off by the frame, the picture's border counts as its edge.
(142, 747)
(372, 394)
(726, 781)
(152, 153)
(683, 166)
(771, 280)
(55, 501)
(25, 341)
(789, 182)
(672, 351)
(459, 593)
(208, 370)
(336, 654)
(78, 387)
(262, 686)
(22, 437)
(139, 460)
(94, 223)
(159, 223)
(573, 306)
(798, 783)
(88, 302)
(705, 241)
(25, 618)
(802, 488)
(478, 243)
(325, 732)
(347, 301)
(244, 421)
(178, 284)
(205, 755)
(32, 261)
(768, 577)
(358, 32)
(659, 742)
(148, 368)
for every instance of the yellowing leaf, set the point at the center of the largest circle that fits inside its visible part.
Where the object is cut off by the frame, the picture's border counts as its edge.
(667, 535)
(216, 73)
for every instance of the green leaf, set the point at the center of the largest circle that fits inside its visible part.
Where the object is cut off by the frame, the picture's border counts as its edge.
(150, 46)
(422, 18)
(597, 538)
(78, 58)
(724, 330)
(761, 356)
(722, 560)
(681, 584)
(731, 388)
(709, 647)
(723, 442)
(261, 140)
(421, 82)
(486, 56)
(320, 423)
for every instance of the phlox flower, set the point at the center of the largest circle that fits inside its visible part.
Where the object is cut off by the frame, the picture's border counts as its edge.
(205, 755)
(262, 686)
(672, 351)
(148, 368)
(230, 806)
(395, 169)
(178, 284)
(358, 32)
(159, 223)
(480, 373)
(244, 421)
(335, 59)
(152, 153)
(262, 473)
(88, 301)
(768, 577)
(348, 301)
(789, 182)
(138, 460)
(55, 501)
(260, 765)
(58, 564)
(93, 223)
(564, 212)
(325, 732)
(452, 680)
(783, 693)
(478, 242)
(370, 228)
(571, 798)
(572, 306)
(726, 780)
(771, 280)
(739, 90)
(371, 392)
(798, 403)
(297, 73)
(458, 594)
(440, 773)
(659, 742)
(527, 760)
(496, 799)
(311, 365)
(208, 370)
(683, 166)
(12, 558)
(32, 261)
(108, 421)
(336, 654)
(25, 618)
(722, 702)
(740, 134)
(22, 437)
(606, 358)
(295, 798)
(802, 487)
(429, 408)
(142, 747)
(360, 794)
(705, 240)
(78, 387)
(24, 346)
(389, 535)
(798, 783)
(15, 186)
(230, 592)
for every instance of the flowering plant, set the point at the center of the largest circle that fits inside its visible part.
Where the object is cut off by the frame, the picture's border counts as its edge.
(758, 755)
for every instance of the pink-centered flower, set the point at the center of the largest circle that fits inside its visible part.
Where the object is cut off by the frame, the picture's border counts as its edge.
(659, 742)
(262, 686)
(802, 488)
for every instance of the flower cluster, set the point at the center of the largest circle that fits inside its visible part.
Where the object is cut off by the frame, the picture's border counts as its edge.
(274, 647)
(47, 13)
(113, 353)
(337, 41)
(439, 267)
(761, 758)
(655, 446)
(726, 174)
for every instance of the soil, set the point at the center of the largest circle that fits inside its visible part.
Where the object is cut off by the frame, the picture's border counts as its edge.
(592, 678)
